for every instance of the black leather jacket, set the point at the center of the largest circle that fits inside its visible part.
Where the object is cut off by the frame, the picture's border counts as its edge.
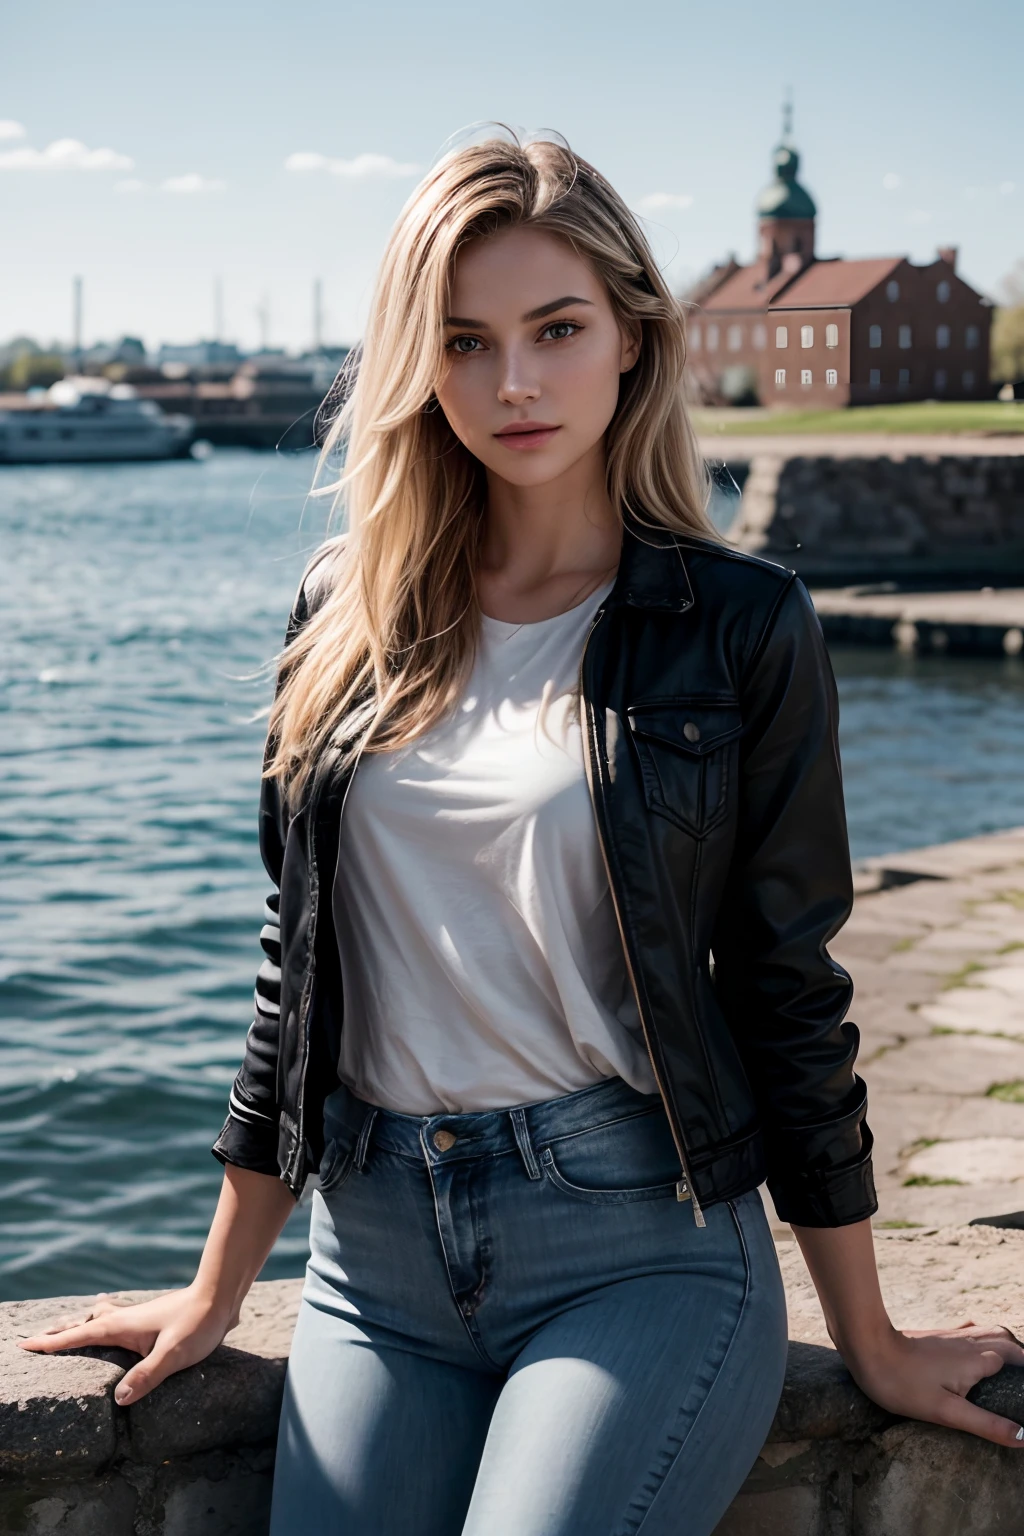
(709, 715)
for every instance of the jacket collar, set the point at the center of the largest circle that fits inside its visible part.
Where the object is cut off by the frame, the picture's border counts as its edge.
(652, 571)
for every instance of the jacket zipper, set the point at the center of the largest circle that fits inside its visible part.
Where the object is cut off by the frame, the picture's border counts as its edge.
(314, 910)
(684, 1187)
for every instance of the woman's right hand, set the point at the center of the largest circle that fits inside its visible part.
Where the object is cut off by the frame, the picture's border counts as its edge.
(170, 1332)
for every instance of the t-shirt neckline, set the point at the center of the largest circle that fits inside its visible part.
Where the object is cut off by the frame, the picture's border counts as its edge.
(502, 629)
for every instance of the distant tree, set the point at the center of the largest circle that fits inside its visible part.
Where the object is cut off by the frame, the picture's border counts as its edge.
(15, 347)
(1008, 329)
(32, 369)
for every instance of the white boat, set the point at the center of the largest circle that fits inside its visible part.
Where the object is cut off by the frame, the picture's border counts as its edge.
(80, 419)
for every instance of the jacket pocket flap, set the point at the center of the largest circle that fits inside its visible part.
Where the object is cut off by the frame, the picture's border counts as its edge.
(693, 725)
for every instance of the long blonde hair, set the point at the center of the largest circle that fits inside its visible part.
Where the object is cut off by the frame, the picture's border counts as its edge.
(389, 648)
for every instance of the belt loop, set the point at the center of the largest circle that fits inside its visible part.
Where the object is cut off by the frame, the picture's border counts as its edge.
(521, 1132)
(363, 1144)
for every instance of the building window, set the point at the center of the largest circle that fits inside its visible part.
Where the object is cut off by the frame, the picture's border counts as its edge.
(759, 336)
(904, 378)
(734, 338)
(940, 380)
(875, 378)
(695, 338)
(892, 291)
(971, 337)
(874, 335)
(942, 336)
(712, 338)
(942, 292)
(780, 377)
(831, 378)
(781, 336)
(968, 379)
(906, 337)
(831, 335)
(807, 335)
(805, 377)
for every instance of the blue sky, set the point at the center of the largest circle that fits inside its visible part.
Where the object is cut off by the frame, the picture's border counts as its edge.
(906, 114)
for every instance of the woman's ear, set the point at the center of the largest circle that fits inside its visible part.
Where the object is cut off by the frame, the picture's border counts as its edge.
(630, 348)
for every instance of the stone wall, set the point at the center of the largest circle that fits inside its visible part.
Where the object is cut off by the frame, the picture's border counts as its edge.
(920, 517)
(196, 1457)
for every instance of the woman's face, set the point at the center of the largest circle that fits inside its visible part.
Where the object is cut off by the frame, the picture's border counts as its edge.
(534, 354)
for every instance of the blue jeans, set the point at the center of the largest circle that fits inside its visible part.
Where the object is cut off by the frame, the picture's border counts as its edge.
(511, 1327)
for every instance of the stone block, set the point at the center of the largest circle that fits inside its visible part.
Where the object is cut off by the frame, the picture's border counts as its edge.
(926, 1481)
(103, 1506)
(820, 1399)
(56, 1411)
(217, 1495)
(232, 1398)
(799, 1511)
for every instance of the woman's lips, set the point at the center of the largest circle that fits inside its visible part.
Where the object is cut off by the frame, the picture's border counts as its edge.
(526, 435)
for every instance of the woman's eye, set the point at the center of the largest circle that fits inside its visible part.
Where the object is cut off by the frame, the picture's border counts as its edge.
(465, 344)
(559, 330)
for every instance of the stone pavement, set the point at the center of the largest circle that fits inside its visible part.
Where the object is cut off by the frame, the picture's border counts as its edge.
(938, 967)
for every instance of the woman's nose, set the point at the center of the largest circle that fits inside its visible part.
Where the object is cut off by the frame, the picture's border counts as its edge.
(517, 384)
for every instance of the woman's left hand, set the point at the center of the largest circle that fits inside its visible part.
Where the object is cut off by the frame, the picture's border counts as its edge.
(927, 1375)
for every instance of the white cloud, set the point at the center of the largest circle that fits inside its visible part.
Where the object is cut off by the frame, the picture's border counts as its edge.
(360, 169)
(9, 129)
(129, 185)
(64, 155)
(191, 183)
(656, 201)
(1006, 187)
(891, 182)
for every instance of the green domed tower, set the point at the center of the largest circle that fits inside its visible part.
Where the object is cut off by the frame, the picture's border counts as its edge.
(786, 210)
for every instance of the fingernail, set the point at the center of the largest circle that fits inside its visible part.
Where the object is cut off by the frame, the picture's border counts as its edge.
(122, 1395)
(1020, 1434)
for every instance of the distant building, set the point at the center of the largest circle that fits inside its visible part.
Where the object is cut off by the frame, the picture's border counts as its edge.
(795, 329)
(199, 354)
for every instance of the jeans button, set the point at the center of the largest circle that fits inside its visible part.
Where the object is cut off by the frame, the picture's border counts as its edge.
(444, 1140)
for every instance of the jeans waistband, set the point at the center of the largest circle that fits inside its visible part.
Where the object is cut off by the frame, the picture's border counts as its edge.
(449, 1137)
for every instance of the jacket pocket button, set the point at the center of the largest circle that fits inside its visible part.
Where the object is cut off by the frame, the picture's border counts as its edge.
(444, 1140)
(691, 730)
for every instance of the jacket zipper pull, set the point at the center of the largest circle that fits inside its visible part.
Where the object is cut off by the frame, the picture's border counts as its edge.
(684, 1192)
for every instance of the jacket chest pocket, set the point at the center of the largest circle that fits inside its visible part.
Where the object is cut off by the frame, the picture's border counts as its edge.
(687, 750)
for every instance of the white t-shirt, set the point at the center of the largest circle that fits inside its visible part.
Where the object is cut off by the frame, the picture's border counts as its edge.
(481, 957)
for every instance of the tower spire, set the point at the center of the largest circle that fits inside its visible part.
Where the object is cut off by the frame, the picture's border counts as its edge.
(787, 115)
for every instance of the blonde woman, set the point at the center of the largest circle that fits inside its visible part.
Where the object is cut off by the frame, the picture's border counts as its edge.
(553, 813)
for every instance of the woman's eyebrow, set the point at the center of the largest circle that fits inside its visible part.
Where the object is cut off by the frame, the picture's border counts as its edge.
(534, 314)
(549, 309)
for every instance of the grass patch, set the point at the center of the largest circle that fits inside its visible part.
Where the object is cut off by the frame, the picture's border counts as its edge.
(915, 416)
(1013, 898)
(958, 978)
(1009, 1093)
(902, 945)
(897, 1226)
(925, 1181)
(1011, 948)
(919, 1145)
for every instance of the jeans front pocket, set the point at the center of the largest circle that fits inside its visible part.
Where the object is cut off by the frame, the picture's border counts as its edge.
(335, 1166)
(633, 1158)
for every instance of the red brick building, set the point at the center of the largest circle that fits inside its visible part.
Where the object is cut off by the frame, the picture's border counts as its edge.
(794, 329)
